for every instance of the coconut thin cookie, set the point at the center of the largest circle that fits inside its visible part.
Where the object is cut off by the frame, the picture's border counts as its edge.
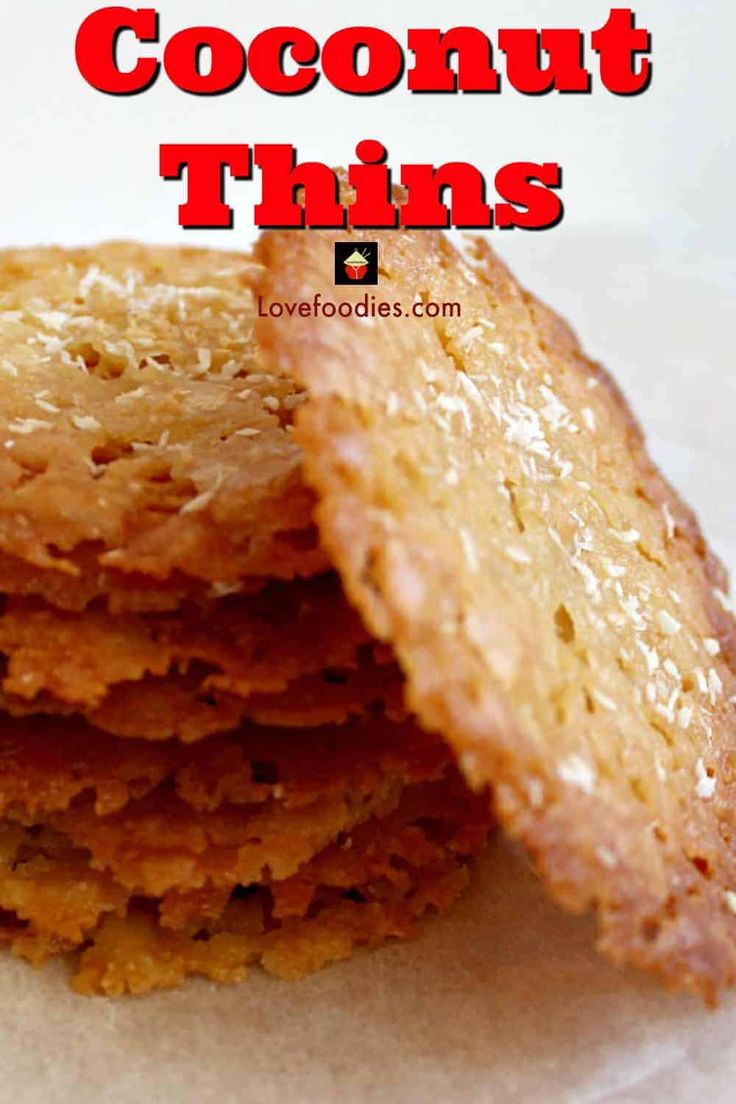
(139, 435)
(487, 497)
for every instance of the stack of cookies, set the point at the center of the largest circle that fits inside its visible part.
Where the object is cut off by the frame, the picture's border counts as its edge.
(205, 759)
(268, 646)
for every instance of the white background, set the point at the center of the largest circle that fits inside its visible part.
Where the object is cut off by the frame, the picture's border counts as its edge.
(643, 266)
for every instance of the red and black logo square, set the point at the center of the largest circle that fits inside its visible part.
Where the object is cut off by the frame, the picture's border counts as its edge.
(356, 263)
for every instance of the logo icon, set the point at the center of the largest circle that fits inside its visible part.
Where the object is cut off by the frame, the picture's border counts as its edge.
(356, 263)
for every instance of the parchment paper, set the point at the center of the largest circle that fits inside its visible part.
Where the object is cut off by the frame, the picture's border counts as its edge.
(503, 1001)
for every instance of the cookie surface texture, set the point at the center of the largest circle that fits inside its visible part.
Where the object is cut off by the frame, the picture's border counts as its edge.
(487, 497)
(141, 436)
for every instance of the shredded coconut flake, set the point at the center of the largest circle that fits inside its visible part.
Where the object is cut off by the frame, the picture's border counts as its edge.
(577, 772)
(24, 426)
(202, 500)
(723, 600)
(706, 785)
(53, 320)
(603, 700)
(221, 589)
(667, 623)
(590, 579)
(471, 335)
(606, 856)
(684, 716)
(669, 521)
(85, 421)
(470, 550)
(48, 407)
(715, 686)
(626, 536)
(672, 669)
(517, 554)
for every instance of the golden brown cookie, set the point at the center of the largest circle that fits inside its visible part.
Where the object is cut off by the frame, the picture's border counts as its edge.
(49, 764)
(487, 497)
(258, 643)
(137, 428)
(395, 869)
(271, 846)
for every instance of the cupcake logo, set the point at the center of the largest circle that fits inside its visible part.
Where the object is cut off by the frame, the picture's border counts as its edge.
(356, 263)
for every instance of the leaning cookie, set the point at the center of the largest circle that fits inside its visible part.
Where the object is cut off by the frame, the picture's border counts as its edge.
(486, 495)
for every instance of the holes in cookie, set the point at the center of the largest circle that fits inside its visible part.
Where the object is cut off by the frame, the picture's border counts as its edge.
(702, 865)
(264, 772)
(84, 351)
(638, 790)
(622, 665)
(167, 494)
(163, 475)
(335, 677)
(514, 505)
(369, 572)
(55, 552)
(649, 556)
(650, 929)
(97, 362)
(207, 699)
(110, 452)
(11, 924)
(241, 892)
(564, 624)
(663, 732)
